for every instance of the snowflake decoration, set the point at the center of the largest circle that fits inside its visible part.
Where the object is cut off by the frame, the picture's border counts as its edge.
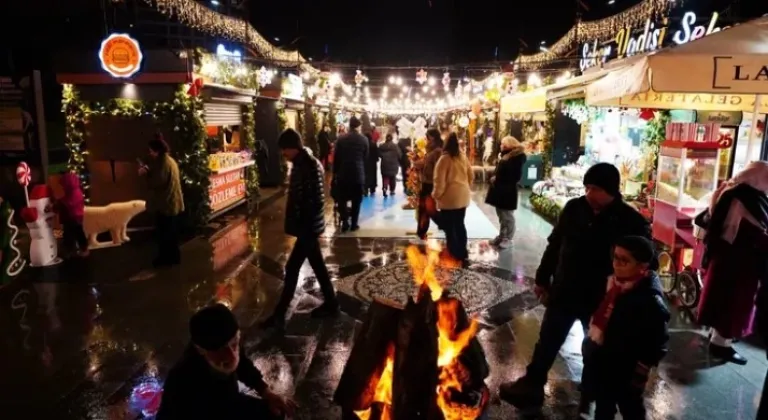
(265, 76)
(421, 76)
(446, 80)
(360, 78)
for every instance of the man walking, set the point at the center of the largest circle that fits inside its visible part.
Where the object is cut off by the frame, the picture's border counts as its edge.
(349, 173)
(305, 220)
(578, 258)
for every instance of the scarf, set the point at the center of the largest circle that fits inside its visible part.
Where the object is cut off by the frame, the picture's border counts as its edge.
(602, 315)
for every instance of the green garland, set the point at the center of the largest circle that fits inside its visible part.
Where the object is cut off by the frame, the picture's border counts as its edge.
(332, 122)
(282, 122)
(184, 112)
(548, 140)
(251, 172)
(654, 134)
(545, 207)
(227, 71)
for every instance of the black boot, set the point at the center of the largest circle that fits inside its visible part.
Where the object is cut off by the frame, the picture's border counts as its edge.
(327, 309)
(726, 353)
(522, 393)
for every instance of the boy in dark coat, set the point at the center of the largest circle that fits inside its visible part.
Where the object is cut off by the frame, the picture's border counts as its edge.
(390, 164)
(305, 220)
(502, 193)
(627, 334)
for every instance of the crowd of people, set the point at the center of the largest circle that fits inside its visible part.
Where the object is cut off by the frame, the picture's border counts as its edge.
(599, 268)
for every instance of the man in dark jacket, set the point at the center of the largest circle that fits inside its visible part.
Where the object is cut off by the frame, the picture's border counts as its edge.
(351, 153)
(203, 384)
(304, 219)
(579, 259)
(502, 194)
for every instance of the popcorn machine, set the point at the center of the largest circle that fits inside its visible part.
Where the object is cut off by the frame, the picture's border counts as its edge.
(687, 178)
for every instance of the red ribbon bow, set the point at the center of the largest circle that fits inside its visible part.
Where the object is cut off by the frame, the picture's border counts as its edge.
(195, 87)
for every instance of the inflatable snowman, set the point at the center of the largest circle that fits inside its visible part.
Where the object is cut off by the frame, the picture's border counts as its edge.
(39, 219)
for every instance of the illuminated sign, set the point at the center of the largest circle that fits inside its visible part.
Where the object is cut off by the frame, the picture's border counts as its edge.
(120, 55)
(624, 44)
(293, 87)
(223, 52)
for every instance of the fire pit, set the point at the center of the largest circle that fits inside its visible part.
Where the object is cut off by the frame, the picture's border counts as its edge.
(418, 361)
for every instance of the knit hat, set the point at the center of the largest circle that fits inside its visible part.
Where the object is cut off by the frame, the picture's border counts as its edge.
(641, 249)
(290, 139)
(212, 327)
(605, 176)
(354, 123)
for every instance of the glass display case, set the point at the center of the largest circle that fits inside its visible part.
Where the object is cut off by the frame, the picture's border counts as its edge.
(688, 175)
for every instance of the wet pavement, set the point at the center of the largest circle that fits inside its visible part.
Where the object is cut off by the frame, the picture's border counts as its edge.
(86, 339)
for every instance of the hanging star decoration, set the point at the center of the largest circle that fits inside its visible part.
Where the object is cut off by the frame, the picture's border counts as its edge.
(360, 78)
(265, 76)
(421, 76)
(447, 81)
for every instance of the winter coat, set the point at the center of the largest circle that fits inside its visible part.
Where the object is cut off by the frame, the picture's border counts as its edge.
(390, 158)
(452, 182)
(194, 390)
(323, 145)
(165, 187)
(636, 332)
(305, 206)
(72, 205)
(370, 165)
(428, 164)
(350, 154)
(579, 254)
(502, 193)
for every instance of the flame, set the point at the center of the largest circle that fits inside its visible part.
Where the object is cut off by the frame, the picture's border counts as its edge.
(450, 343)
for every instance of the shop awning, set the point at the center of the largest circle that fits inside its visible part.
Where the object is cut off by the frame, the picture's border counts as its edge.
(575, 87)
(525, 102)
(723, 71)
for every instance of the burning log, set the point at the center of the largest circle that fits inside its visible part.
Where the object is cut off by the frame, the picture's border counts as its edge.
(418, 362)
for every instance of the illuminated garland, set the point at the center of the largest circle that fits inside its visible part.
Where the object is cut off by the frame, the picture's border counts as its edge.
(282, 122)
(332, 122)
(594, 30)
(653, 135)
(548, 140)
(186, 114)
(197, 16)
(226, 71)
(251, 172)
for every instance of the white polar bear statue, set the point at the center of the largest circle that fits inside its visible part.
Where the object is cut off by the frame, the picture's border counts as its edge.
(112, 218)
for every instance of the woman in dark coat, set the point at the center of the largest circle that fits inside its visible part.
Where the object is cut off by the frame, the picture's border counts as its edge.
(735, 257)
(390, 164)
(502, 193)
(370, 166)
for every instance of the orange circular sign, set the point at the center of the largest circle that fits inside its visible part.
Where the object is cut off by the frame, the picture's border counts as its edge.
(120, 55)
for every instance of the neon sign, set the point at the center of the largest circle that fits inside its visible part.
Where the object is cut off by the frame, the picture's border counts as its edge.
(650, 39)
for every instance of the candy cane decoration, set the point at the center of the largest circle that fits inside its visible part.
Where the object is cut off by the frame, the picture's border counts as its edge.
(15, 266)
(24, 176)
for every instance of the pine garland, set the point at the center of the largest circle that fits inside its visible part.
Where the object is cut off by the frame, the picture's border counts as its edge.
(548, 140)
(332, 122)
(282, 122)
(184, 112)
(654, 134)
(251, 172)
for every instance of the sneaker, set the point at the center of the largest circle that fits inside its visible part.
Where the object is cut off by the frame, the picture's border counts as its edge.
(504, 244)
(726, 353)
(326, 310)
(522, 394)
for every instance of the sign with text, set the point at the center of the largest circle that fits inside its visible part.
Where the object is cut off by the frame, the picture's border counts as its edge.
(741, 74)
(692, 101)
(226, 189)
(727, 119)
(120, 55)
(651, 36)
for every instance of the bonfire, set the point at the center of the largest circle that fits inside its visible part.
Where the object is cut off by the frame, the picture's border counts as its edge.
(418, 361)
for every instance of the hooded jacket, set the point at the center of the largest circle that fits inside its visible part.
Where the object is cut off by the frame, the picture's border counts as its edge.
(502, 192)
(578, 258)
(305, 206)
(390, 158)
(72, 204)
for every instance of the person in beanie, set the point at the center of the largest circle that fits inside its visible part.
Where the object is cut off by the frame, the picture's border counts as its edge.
(627, 335)
(204, 383)
(502, 193)
(349, 160)
(305, 220)
(572, 276)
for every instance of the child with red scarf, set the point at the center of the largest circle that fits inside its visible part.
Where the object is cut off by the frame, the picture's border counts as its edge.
(627, 334)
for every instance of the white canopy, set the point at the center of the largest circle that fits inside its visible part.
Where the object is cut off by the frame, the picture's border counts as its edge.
(723, 71)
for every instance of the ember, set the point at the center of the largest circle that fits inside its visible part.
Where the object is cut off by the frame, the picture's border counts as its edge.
(420, 361)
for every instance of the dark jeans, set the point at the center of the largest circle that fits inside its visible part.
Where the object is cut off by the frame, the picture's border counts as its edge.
(452, 223)
(388, 182)
(555, 327)
(628, 399)
(353, 193)
(423, 215)
(167, 239)
(305, 248)
(74, 236)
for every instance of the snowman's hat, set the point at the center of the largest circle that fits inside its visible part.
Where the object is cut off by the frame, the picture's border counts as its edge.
(39, 192)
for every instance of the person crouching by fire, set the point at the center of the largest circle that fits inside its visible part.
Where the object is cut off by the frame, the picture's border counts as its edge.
(627, 334)
(204, 383)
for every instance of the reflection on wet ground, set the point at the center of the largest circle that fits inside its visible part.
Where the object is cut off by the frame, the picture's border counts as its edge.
(94, 339)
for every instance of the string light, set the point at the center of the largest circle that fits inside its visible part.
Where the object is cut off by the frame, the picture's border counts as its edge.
(597, 29)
